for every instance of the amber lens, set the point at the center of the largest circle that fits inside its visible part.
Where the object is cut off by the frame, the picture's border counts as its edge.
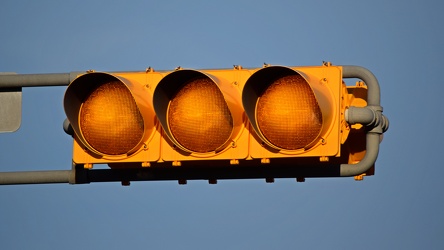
(288, 114)
(198, 116)
(110, 120)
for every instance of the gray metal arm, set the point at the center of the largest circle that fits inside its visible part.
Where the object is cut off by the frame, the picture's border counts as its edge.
(370, 116)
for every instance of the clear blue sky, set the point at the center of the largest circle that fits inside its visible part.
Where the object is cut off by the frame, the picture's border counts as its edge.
(401, 207)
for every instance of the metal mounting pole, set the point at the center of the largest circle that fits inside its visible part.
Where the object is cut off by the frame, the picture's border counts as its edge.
(37, 177)
(37, 80)
(370, 116)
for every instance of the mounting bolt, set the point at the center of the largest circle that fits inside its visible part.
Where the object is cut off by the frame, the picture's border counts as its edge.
(88, 166)
(359, 177)
(234, 162)
(324, 80)
(265, 161)
(300, 179)
(326, 64)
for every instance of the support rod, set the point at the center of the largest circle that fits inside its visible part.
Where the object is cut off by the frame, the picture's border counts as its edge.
(376, 128)
(79, 175)
(37, 177)
(372, 150)
(374, 92)
(37, 80)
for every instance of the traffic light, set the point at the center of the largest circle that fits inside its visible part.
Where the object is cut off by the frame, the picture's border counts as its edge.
(112, 118)
(273, 121)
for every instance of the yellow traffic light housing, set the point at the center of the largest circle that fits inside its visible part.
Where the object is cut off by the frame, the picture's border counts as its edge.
(235, 119)
(294, 111)
(201, 115)
(112, 118)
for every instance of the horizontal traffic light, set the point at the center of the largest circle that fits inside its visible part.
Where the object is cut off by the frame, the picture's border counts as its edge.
(220, 118)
